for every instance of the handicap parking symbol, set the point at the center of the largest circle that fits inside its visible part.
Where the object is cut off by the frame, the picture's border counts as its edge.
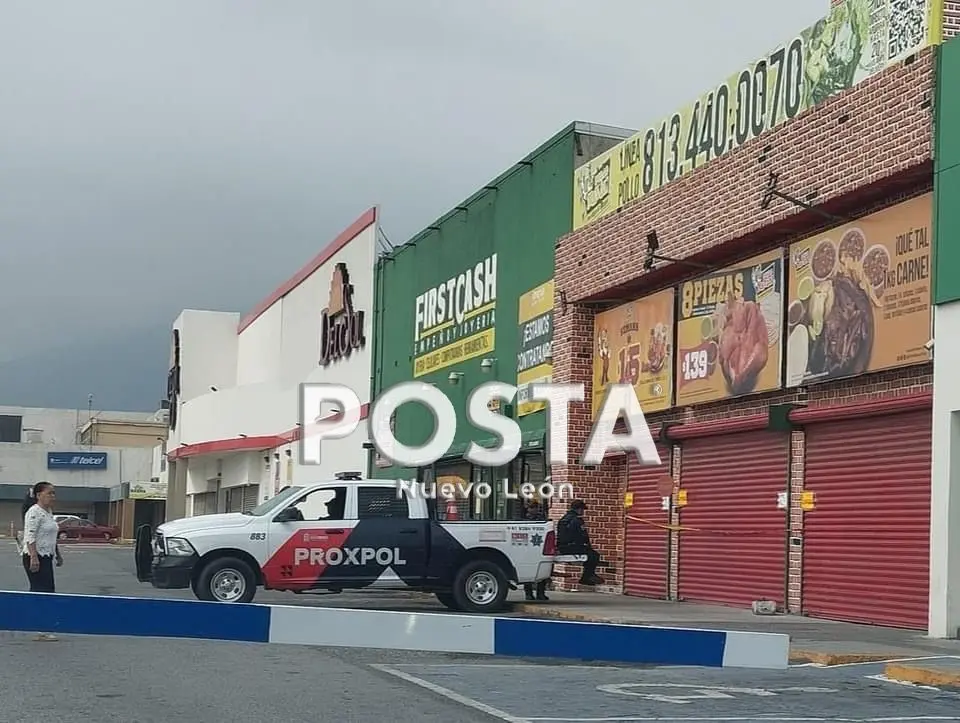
(686, 693)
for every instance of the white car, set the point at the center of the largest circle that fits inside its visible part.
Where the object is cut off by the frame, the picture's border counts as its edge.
(346, 534)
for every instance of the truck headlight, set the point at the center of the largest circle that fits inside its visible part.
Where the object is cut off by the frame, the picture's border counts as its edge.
(179, 546)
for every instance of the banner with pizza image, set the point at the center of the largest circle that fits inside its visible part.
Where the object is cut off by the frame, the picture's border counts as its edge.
(633, 344)
(729, 340)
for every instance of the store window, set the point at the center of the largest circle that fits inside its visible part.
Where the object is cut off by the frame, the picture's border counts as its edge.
(504, 501)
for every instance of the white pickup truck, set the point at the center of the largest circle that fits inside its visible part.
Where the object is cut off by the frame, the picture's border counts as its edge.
(346, 534)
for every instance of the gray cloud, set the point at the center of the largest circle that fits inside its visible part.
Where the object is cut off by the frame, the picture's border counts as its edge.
(183, 153)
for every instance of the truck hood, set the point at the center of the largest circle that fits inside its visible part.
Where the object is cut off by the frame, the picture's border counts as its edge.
(203, 522)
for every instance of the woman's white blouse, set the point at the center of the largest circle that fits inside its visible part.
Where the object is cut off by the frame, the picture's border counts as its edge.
(40, 528)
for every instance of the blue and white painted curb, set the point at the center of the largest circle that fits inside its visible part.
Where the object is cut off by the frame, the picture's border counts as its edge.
(432, 632)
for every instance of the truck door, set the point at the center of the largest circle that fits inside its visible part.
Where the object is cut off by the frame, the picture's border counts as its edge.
(306, 538)
(395, 545)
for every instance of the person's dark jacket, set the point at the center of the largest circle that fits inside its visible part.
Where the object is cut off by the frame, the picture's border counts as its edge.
(571, 531)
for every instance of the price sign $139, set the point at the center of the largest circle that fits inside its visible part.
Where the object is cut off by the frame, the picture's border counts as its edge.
(694, 366)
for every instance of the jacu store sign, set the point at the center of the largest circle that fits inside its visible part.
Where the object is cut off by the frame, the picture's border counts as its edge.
(341, 326)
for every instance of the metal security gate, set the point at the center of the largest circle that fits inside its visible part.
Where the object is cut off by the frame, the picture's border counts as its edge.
(733, 536)
(251, 493)
(867, 540)
(205, 503)
(646, 536)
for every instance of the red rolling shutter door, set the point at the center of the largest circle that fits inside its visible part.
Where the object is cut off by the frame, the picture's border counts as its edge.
(646, 544)
(867, 542)
(736, 551)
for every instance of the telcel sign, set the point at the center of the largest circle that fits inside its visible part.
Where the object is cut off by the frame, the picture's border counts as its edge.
(76, 460)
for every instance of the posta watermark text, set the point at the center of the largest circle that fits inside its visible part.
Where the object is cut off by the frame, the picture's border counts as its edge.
(483, 490)
(620, 402)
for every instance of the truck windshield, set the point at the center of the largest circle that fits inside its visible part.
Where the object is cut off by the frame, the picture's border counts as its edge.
(274, 502)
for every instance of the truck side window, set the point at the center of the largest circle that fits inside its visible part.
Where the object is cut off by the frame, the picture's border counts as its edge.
(381, 502)
(327, 503)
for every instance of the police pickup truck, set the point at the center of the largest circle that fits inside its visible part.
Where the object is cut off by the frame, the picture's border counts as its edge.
(346, 534)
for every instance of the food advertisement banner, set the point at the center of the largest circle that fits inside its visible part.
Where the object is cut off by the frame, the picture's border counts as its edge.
(729, 340)
(634, 345)
(534, 345)
(456, 320)
(856, 40)
(859, 296)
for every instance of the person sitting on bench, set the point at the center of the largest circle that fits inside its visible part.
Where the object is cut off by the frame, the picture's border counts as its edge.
(573, 539)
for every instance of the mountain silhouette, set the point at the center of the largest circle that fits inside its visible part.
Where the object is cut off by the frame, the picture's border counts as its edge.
(125, 372)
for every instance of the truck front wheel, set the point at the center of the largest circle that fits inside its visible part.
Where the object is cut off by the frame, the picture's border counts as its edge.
(480, 586)
(226, 579)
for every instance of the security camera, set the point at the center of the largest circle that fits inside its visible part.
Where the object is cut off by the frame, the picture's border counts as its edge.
(929, 345)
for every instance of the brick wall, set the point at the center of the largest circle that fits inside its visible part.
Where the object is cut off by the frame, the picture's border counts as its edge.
(835, 150)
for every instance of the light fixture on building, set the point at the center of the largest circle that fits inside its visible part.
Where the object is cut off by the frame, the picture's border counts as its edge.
(213, 388)
(488, 363)
(454, 377)
(289, 453)
(276, 455)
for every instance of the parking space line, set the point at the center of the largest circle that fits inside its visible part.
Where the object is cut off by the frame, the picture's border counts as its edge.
(861, 663)
(531, 665)
(740, 719)
(450, 695)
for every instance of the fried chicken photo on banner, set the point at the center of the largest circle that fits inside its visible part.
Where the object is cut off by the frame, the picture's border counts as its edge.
(743, 345)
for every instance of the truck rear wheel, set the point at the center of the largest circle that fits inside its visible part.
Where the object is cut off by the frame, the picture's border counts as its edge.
(480, 586)
(448, 600)
(226, 579)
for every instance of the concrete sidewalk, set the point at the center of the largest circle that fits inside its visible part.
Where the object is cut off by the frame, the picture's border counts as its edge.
(820, 642)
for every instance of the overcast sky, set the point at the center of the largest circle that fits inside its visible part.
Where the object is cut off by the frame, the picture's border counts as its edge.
(168, 154)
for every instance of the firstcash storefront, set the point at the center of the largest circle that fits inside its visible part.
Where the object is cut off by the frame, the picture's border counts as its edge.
(233, 385)
(776, 332)
(470, 300)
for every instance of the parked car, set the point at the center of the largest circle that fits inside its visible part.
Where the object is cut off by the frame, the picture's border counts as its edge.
(77, 529)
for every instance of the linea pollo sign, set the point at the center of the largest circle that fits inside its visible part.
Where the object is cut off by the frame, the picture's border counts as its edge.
(341, 327)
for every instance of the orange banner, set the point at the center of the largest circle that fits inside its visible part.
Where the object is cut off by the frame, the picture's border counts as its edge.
(728, 331)
(633, 344)
(859, 295)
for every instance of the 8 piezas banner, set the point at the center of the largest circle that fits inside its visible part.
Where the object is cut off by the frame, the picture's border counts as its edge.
(858, 39)
(633, 344)
(859, 296)
(534, 362)
(728, 333)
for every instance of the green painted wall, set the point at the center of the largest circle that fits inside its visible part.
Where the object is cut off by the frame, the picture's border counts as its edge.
(946, 249)
(518, 217)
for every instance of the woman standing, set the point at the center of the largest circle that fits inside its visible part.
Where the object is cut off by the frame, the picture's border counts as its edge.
(40, 549)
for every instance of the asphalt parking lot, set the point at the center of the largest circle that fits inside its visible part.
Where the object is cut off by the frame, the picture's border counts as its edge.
(133, 680)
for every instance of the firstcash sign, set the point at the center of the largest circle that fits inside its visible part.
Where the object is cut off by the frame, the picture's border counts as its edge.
(620, 402)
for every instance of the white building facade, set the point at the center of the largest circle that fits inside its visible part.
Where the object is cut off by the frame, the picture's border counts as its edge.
(54, 445)
(234, 383)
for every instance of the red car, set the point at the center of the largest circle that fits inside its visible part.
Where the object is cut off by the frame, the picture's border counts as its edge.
(76, 529)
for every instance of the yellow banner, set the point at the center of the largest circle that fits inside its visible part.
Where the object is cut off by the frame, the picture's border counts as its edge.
(633, 344)
(858, 39)
(860, 295)
(729, 340)
(534, 364)
(148, 491)
(468, 347)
